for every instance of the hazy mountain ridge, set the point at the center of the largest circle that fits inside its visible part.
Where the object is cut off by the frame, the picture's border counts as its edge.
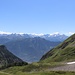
(50, 37)
(30, 49)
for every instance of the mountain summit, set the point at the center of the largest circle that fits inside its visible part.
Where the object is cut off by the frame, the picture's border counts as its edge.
(14, 36)
(63, 52)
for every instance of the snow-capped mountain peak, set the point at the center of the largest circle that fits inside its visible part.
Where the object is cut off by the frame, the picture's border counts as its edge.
(51, 37)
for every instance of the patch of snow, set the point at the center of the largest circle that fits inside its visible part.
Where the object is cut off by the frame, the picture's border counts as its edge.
(71, 63)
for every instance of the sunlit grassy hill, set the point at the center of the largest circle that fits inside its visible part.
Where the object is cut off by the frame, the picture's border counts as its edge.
(63, 52)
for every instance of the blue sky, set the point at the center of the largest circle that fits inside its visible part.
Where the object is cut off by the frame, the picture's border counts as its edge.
(37, 16)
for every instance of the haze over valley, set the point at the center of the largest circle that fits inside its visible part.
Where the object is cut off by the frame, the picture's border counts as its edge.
(29, 47)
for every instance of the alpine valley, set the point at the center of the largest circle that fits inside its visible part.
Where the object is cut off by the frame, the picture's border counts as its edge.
(31, 47)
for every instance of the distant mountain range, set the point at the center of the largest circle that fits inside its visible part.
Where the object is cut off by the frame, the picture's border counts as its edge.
(30, 47)
(50, 37)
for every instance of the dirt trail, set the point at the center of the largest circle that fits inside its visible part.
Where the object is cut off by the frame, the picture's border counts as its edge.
(64, 68)
(67, 67)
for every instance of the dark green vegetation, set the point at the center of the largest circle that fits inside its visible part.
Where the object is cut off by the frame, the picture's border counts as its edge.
(19, 71)
(7, 59)
(30, 49)
(63, 52)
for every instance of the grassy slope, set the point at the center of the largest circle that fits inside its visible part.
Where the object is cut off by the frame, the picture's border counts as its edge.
(20, 71)
(64, 52)
(4, 73)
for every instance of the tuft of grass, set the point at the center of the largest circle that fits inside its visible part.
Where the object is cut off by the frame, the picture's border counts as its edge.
(3, 73)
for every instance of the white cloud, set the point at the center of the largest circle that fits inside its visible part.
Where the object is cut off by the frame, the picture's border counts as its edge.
(1, 32)
(70, 33)
(37, 34)
(55, 33)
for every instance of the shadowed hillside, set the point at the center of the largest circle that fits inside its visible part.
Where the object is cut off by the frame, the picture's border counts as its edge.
(8, 59)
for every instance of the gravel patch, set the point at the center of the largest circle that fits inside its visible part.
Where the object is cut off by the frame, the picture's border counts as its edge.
(70, 66)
